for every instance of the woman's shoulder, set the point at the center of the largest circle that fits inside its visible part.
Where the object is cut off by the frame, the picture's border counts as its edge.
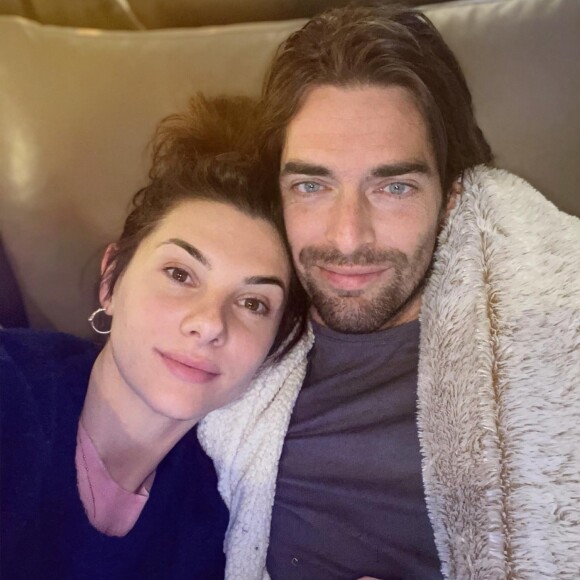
(36, 367)
(43, 380)
(17, 344)
(39, 351)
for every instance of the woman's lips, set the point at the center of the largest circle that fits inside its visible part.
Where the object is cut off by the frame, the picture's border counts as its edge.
(189, 369)
(351, 278)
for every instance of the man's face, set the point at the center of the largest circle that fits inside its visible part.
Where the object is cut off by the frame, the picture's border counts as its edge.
(362, 204)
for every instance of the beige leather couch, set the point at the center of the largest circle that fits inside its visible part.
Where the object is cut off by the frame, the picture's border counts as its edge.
(148, 14)
(77, 107)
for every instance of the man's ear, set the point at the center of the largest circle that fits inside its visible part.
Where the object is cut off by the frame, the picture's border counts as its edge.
(107, 263)
(453, 197)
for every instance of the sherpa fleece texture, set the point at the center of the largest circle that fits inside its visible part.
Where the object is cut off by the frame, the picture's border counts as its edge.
(498, 398)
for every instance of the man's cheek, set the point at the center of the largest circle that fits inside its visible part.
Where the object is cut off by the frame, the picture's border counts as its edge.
(296, 238)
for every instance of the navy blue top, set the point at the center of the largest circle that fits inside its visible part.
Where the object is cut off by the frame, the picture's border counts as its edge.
(44, 530)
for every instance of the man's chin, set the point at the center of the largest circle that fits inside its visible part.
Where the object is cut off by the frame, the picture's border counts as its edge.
(355, 313)
(342, 314)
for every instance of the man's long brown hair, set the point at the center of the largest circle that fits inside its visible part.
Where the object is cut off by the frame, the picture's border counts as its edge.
(377, 46)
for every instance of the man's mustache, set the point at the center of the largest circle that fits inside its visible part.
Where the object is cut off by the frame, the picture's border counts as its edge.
(312, 256)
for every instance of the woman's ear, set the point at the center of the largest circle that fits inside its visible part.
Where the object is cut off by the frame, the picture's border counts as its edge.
(105, 291)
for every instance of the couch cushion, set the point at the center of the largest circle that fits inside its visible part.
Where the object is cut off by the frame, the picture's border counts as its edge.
(522, 62)
(78, 107)
(142, 14)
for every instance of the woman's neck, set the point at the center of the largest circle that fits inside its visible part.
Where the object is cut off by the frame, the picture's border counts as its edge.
(130, 437)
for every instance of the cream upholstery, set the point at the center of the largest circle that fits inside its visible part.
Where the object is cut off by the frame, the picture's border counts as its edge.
(79, 105)
(143, 14)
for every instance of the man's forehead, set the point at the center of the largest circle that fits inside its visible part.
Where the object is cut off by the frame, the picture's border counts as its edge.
(370, 125)
(356, 103)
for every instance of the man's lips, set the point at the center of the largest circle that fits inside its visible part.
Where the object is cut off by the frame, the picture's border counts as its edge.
(189, 369)
(351, 277)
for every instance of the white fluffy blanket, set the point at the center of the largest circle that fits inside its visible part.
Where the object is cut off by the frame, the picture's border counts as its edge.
(499, 385)
(499, 398)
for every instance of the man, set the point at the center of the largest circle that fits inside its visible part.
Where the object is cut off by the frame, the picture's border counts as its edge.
(445, 447)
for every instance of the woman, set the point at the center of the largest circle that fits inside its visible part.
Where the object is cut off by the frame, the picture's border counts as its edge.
(102, 474)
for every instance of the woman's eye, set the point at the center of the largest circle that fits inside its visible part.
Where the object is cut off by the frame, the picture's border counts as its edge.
(254, 305)
(308, 187)
(178, 274)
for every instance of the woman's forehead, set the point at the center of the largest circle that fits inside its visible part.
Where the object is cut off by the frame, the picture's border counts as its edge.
(223, 234)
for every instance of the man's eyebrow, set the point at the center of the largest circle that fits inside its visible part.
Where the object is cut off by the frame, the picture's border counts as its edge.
(303, 168)
(394, 169)
(191, 250)
(266, 280)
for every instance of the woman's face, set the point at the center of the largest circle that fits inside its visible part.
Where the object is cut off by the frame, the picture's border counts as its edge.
(197, 309)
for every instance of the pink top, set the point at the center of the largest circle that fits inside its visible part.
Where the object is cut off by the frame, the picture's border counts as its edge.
(110, 508)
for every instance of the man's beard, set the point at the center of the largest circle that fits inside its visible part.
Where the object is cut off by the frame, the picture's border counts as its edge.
(350, 311)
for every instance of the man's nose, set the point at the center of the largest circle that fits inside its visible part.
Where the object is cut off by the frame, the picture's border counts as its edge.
(206, 320)
(349, 223)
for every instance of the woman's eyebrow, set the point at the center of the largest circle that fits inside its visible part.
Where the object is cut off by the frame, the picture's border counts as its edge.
(195, 253)
(265, 280)
(191, 250)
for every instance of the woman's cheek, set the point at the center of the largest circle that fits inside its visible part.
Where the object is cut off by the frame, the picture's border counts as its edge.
(252, 346)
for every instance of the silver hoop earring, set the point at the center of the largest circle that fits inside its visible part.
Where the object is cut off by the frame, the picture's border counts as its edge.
(92, 321)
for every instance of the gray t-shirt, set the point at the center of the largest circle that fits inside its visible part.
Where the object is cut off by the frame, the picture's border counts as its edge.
(349, 497)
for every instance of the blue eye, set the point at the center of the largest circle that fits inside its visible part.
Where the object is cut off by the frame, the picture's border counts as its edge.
(308, 187)
(398, 188)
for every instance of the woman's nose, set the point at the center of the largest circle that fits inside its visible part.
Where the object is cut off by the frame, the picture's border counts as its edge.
(206, 320)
